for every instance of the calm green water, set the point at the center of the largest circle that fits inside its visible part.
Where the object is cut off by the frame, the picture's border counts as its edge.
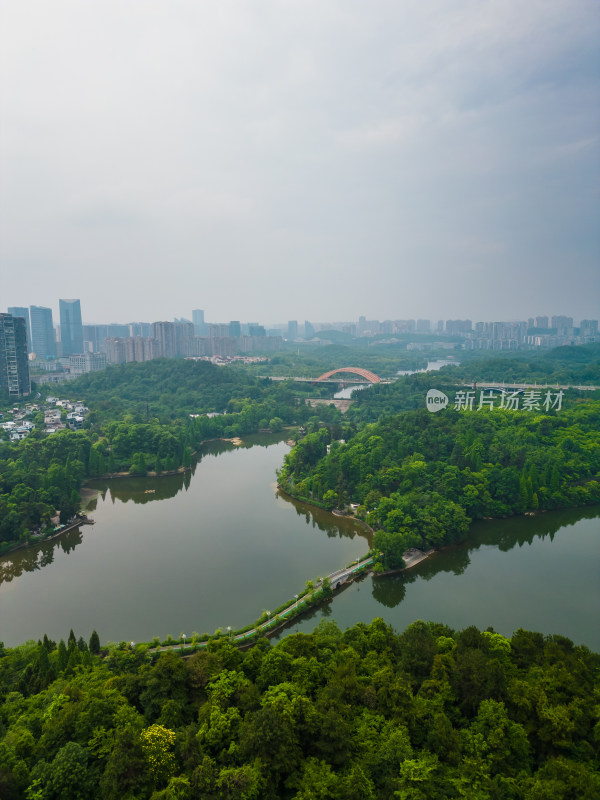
(217, 547)
(207, 550)
(540, 573)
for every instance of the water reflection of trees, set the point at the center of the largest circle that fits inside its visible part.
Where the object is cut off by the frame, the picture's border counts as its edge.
(142, 490)
(323, 520)
(37, 556)
(389, 590)
(146, 489)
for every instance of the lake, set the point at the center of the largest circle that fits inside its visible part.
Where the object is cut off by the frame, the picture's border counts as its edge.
(176, 554)
(219, 546)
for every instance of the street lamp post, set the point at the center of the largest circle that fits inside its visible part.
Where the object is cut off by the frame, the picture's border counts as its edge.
(183, 636)
(296, 603)
(229, 629)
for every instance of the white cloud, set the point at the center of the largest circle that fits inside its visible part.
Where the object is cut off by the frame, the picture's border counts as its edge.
(267, 141)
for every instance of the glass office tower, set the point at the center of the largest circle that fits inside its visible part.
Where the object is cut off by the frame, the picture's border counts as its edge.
(71, 329)
(43, 340)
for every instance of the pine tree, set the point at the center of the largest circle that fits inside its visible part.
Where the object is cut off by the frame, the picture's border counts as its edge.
(94, 643)
(63, 656)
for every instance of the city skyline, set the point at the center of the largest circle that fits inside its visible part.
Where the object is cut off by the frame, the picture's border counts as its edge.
(203, 318)
(392, 160)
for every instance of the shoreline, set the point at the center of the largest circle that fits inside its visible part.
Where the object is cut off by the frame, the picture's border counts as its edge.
(88, 494)
(38, 541)
(339, 580)
(306, 502)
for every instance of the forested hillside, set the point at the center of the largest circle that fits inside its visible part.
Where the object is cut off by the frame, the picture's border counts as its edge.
(143, 417)
(419, 478)
(357, 715)
(170, 389)
(569, 365)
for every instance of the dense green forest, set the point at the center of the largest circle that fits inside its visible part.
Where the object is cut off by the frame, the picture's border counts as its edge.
(171, 389)
(420, 478)
(139, 421)
(384, 360)
(356, 715)
(571, 365)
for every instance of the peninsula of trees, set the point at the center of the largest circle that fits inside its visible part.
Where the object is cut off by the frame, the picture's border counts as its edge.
(420, 478)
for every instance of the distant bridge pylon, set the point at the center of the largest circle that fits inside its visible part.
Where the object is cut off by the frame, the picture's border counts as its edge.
(363, 373)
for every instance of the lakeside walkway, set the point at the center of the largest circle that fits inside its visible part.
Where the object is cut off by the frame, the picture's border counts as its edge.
(273, 624)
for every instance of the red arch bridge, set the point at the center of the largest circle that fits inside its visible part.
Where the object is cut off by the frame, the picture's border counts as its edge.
(363, 373)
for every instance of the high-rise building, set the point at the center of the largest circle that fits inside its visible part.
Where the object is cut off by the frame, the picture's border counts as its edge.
(458, 326)
(43, 340)
(184, 331)
(309, 330)
(563, 325)
(292, 330)
(71, 329)
(218, 329)
(588, 328)
(23, 311)
(133, 348)
(90, 339)
(199, 324)
(14, 363)
(164, 333)
(141, 329)
(235, 329)
(86, 362)
(116, 330)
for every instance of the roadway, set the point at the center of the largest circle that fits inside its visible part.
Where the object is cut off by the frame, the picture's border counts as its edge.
(479, 384)
(341, 381)
(520, 386)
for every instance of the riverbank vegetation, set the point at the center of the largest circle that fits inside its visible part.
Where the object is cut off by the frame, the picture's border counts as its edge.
(383, 359)
(151, 417)
(568, 365)
(143, 417)
(336, 715)
(420, 478)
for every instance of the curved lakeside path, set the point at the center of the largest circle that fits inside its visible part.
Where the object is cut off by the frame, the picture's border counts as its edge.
(273, 625)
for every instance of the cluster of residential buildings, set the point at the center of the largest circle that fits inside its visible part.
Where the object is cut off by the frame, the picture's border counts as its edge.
(534, 332)
(29, 339)
(57, 414)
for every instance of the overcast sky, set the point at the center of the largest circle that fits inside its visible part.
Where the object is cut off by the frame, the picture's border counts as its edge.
(280, 159)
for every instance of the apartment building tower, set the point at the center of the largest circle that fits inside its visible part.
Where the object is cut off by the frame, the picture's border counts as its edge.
(14, 363)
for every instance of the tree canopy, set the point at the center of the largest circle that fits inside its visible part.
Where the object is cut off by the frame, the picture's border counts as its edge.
(362, 713)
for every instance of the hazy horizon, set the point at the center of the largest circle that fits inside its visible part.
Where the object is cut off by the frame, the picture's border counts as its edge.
(301, 160)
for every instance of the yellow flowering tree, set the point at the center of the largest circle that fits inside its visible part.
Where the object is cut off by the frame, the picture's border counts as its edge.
(157, 746)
